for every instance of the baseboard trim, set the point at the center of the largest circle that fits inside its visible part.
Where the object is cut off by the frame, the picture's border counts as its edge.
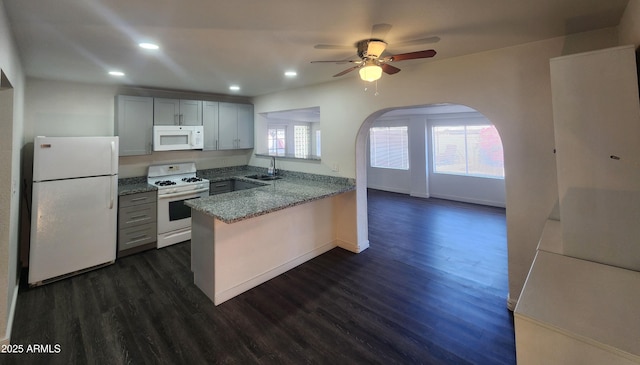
(469, 200)
(511, 302)
(12, 311)
(353, 247)
(389, 189)
(420, 195)
(227, 294)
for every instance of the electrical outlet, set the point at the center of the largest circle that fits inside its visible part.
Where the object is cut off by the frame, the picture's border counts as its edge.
(335, 167)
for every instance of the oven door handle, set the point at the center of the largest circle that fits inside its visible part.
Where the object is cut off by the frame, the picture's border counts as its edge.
(190, 192)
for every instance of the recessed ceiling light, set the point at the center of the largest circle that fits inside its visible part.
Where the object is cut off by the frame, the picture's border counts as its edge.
(234, 87)
(291, 74)
(116, 73)
(148, 45)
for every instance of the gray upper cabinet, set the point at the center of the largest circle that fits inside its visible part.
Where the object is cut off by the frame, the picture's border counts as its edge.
(177, 112)
(235, 129)
(210, 124)
(134, 124)
(245, 126)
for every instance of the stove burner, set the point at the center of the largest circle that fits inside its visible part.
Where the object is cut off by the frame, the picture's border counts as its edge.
(165, 182)
(191, 179)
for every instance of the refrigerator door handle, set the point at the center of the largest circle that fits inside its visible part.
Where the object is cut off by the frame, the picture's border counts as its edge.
(113, 156)
(113, 162)
(111, 191)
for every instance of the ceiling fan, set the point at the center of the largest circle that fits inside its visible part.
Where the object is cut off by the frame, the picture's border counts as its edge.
(370, 51)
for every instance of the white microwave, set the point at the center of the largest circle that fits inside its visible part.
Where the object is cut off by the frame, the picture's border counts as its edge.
(177, 137)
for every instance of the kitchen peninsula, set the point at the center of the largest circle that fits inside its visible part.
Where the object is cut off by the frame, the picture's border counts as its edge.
(244, 238)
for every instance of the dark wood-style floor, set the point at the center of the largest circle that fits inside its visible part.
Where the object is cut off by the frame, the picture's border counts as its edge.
(431, 289)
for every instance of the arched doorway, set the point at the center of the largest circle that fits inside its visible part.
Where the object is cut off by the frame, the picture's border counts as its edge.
(490, 189)
(362, 140)
(446, 151)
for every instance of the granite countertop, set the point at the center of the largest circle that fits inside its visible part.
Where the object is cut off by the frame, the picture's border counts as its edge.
(289, 191)
(292, 189)
(134, 185)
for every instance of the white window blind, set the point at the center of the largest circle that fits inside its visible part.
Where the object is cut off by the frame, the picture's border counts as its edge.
(301, 139)
(318, 144)
(389, 147)
(276, 141)
(472, 150)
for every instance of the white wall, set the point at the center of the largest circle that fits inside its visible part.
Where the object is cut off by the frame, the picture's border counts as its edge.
(510, 86)
(11, 128)
(629, 29)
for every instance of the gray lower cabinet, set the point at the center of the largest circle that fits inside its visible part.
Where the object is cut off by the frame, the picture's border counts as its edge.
(137, 222)
(227, 186)
(244, 185)
(220, 187)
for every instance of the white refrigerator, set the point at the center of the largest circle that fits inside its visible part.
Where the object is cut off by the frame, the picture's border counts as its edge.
(74, 206)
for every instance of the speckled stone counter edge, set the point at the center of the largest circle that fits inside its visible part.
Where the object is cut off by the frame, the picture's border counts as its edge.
(134, 185)
(226, 210)
(239, 171)
(338, 185)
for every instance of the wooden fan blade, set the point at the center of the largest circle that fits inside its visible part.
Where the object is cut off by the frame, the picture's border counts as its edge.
(411, 55)
(379, 31)
(388, 69)
(346, 71)
(332, 46)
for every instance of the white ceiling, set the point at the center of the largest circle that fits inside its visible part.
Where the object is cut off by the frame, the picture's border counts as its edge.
(207, 45)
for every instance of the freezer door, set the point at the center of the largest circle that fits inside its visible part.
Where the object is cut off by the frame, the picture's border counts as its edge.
(73, 226)
(70, 157)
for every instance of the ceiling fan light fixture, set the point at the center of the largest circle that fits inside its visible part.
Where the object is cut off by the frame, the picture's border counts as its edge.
(375, 48)
(370, 72)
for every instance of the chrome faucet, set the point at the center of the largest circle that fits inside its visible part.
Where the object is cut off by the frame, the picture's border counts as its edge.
(272, 169)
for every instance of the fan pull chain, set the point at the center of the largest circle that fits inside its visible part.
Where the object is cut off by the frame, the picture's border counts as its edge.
(366, 88)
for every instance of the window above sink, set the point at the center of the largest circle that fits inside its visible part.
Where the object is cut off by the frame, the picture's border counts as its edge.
(293, 134)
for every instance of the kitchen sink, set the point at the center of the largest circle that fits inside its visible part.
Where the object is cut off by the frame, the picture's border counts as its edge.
(263, 177)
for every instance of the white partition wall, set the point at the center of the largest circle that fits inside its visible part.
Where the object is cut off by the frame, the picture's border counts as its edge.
(596, 112)
(580, 302)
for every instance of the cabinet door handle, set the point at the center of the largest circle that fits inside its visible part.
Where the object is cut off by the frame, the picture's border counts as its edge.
(138, 238)
(139, 217)
(139, 199)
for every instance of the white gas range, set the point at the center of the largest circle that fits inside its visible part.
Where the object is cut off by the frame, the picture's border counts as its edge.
(176, 183)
